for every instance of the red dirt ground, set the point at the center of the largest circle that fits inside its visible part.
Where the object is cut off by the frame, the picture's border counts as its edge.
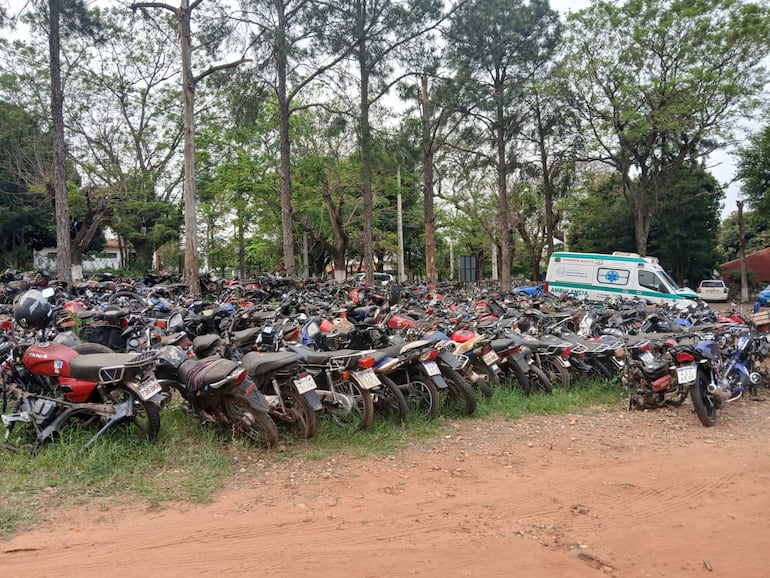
(599, 493)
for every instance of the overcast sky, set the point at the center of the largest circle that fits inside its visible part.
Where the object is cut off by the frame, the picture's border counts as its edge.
(720, 163)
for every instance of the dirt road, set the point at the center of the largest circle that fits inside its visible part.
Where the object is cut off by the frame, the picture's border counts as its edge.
(600, 493)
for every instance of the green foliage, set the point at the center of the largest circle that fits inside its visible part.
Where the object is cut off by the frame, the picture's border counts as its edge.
(754, 171)
(756, 230)
(682, 236)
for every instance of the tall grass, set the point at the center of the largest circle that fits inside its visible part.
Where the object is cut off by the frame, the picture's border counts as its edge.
(190, 461)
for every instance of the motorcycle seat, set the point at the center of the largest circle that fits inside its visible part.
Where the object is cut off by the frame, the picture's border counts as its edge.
(257, 363)
(245, 336)
(205, 371)
(90, 366)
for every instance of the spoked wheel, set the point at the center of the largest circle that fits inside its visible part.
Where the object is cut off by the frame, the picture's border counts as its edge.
(298, 416)
(556, 372)
(390, 402)
(422, 397)
(704, 405)
(252, 422)
(145, 421)
(460, 398)
(538, 381)
(349, 405)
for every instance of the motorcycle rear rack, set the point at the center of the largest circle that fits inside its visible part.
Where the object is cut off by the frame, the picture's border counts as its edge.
(138, 364)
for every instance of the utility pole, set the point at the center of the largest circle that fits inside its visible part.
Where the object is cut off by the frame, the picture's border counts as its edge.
(742, 245)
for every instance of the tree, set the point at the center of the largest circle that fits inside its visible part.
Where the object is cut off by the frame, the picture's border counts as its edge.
(754, 170)
(183, 16)
(494, 46)
(659, 83)
(380, 33)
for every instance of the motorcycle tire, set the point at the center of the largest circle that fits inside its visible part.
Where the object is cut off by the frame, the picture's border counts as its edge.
(146, 418)
(422, 396)
(538, 381)
(459, 395)
(87, 348)
(600, 369)
(485, 385)
(350, 405)
(390, 401)
(298, 416)
(128, 299)
(704, 406)
(557, 373)
(252, 422)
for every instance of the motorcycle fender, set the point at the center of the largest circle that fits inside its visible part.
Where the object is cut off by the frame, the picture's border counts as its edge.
(439, 382)
(250, 391)
(311, 397)
(450, 359)
(521, 361)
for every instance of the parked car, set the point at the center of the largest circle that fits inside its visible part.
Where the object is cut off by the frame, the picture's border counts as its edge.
(764, 297)
(381, 279)
(713, 290)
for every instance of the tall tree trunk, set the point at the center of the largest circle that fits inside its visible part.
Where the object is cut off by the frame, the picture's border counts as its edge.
(61, 202)
(285, 143)
(191, 275)
(502, 192)
(427, 186)
(366, 168)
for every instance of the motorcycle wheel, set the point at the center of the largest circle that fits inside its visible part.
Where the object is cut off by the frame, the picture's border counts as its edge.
(422, 397)
(485, 386)
(128, 299)
(146, 418)
(255, 424)
(557, 373)
(459, 395)
(87, 348)
(390, 401)
(349, 405)
(600, 369)
(704, 406)
(298, 415)
(538, 381)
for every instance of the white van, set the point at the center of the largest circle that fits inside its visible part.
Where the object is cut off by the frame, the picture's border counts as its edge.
(598, 277)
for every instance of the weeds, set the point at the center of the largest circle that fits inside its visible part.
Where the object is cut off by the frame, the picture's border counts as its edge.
(190, 461)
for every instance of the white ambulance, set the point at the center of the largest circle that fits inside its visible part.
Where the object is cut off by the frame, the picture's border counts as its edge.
(598, 277)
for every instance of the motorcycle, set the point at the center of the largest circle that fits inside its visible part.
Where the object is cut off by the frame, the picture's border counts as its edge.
(219, 391)
(54, 383)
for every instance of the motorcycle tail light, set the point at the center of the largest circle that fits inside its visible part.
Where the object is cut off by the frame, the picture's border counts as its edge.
(685, 357)
(429, 355)
(566, 352)
(644, 346)
(241, 376)
(670, 343)
(346, 374)
(366, 362)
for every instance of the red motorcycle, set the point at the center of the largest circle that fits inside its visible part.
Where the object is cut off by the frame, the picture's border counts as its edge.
(46, 384)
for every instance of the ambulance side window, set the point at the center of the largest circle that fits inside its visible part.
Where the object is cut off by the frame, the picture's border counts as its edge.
(650, 280)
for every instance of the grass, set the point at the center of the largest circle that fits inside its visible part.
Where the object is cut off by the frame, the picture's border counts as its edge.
(189, 461)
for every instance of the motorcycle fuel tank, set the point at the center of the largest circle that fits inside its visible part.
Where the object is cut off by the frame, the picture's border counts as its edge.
(49, 358)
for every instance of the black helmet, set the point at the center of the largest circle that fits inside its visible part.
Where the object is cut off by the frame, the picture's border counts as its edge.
(31, 310)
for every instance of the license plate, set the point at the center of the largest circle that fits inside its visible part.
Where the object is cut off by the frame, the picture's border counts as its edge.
(647, 357)
(305, 383)
(686, 374)
(148, 389)
(368, 379)
(490, 357)
(431, 367)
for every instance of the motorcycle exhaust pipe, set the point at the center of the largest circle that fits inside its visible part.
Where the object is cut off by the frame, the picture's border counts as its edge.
(722, 394)
(476, 377)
